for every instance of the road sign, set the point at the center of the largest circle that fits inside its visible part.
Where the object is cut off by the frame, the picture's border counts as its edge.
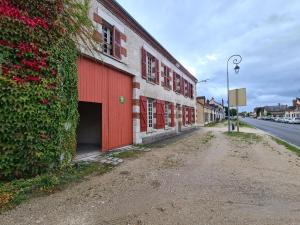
(237, 97)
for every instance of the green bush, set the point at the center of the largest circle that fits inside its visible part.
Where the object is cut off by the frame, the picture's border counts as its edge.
(38, 86)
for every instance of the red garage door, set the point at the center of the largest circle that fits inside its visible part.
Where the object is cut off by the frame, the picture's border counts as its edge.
(100, 84)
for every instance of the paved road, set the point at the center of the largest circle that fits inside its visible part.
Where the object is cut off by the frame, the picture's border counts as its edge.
(287, 132)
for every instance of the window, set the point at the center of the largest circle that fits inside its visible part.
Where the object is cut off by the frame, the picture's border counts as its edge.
(167, 77)
(191, 91)
(178, 82)
(186, 88)
(107, 39)
(151, 76)
(150, 114)
(187, 112)
(166, 115)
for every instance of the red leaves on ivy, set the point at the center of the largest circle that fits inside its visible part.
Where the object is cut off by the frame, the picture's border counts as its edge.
(33, 78)
(31, 64)
(5, 70)
(7, 43)
(25, 47)
(51, 86)
(44, 101)
(17, 67)
(14, 13)
(54, 72)
(18, 80)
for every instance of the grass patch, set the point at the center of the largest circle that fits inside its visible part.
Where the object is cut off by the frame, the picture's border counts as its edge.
(287, 145)
(12, 193)
(211, 124)
(243, 124)
(207, 138)
(127, 154)
(247, 137)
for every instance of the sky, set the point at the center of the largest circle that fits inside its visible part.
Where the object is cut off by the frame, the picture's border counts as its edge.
(203, 34)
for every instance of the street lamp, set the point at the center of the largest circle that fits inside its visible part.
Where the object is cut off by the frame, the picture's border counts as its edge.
(236, 60)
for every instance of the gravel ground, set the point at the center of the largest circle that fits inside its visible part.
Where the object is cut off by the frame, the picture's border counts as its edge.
(205, 178)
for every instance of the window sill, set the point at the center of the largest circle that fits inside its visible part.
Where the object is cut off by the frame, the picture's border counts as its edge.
(167, 89)
(111, 57)
(150, 82)
(151, 132)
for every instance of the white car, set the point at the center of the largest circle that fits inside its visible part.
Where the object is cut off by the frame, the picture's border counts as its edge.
(295, 120)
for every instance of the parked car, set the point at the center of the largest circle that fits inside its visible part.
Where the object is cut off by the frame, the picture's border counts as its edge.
(287, 119)
(276, 119)
(295, 120)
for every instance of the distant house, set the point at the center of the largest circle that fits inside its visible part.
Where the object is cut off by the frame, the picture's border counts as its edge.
(274, 111)
(296, 102)
(218, 109)
(293, 111)
(209, 111)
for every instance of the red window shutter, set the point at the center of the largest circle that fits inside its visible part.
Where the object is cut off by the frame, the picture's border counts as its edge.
(193, 115)
(165, 76)
(143, 113)
(144, 63)
(156, 71)
(189, 115)
(116, 43)
(174, 81)
(183, 115)
(160, 108)
(169, 77)
(182, 85)
(172, 115)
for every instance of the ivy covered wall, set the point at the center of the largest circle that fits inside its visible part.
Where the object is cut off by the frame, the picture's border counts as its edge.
(38, 84)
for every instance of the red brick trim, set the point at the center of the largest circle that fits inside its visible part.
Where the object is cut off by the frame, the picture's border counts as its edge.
(124, 51)
(126, 18)
(136, 115)
(136, 85)
(135, 102)
(123, 37)
(97, 18)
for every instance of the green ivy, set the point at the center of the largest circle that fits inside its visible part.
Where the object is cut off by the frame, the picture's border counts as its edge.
(38, 86)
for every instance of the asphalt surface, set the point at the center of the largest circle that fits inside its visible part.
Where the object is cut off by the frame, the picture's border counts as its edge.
(287, 132)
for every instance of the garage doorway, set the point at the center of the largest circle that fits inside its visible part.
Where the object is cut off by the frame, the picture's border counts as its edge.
(89, 130)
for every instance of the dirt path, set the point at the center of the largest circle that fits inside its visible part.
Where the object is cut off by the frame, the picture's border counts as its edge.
(205, 178)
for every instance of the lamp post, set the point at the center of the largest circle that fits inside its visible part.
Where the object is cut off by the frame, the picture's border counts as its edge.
(236, 60)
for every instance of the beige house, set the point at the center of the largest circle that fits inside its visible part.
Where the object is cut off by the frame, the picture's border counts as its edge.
(208, 111)
(293, 111)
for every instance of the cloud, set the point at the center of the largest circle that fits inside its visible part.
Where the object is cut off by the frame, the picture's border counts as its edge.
(204, 34)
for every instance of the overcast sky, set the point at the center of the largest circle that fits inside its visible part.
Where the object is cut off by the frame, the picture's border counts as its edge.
(202, 34)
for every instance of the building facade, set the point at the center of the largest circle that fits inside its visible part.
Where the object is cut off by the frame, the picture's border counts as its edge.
(209, 111)
(134, 89)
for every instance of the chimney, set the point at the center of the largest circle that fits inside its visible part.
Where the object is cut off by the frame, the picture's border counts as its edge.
(222, 102)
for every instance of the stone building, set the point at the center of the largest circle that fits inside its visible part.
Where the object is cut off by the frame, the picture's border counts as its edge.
(131, 89)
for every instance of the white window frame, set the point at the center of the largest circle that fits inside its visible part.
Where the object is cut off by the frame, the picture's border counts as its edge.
(150, 115)
(166, 115)
(150, 62)
(186, 117)
(107, 33)
(178, 85)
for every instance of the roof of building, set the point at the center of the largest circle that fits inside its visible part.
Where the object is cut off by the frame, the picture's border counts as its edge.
(126, 18)
(277, 108)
